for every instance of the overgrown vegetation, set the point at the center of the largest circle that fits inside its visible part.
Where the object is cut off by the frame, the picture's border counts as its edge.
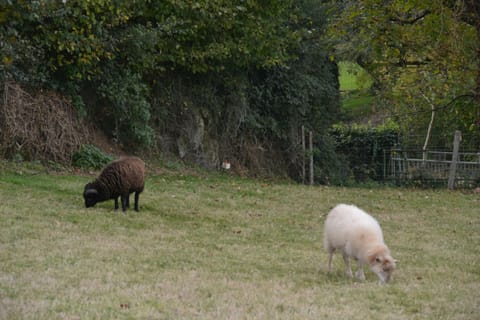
(216, 246)
(209, 81)
(422, 56)
(367, 149)
(90, 157)
(204, 80)
(41, 125)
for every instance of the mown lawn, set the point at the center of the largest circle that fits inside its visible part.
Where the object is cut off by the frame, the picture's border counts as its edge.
(220, 247)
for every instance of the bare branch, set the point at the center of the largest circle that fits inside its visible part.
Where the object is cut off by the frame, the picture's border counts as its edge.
(42, 125)
(411, 19)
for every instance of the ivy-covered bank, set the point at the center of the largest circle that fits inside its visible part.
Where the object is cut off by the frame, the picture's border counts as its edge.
(206, 80)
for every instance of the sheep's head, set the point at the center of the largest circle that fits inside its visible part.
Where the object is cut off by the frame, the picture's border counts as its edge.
(382, 264)
(90, 195)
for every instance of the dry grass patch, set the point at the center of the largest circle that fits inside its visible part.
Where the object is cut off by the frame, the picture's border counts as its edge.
(217, 247)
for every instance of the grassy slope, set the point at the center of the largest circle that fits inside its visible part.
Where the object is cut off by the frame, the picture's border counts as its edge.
(217, 247)
(353, 77)
(354, 84)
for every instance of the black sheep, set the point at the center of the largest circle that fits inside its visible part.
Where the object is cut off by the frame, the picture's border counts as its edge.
(119, 179)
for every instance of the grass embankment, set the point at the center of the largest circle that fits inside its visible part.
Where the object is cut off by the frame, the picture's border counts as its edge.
(219, 247)
(355, 85)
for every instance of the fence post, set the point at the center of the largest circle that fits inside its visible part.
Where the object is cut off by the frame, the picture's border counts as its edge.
(384, 165)
(453, 164)
(303, 154)
(310, 142)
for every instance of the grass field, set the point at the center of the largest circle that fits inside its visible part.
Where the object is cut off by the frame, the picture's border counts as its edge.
(220, 247)
(355, 84)
(353, 77)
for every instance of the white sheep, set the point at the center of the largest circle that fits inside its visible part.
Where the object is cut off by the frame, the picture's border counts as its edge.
(359, 236)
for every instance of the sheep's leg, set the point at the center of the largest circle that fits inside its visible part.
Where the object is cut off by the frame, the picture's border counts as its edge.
(116, 203)
(330, 257)
(360, 274)
(124, 202)
(128, 201)
(348, 269)
(137, 195)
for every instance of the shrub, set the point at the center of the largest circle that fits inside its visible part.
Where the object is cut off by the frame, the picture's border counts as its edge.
(330, 167)
(124, 111)
(366, 148)
(90, 157)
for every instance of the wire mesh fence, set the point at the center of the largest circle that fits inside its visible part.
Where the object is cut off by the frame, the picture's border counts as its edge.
(433, 168)
(404, 160)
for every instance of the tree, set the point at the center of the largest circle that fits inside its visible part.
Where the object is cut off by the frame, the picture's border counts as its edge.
(69, 40)
(420, 53)
(303, 92)
(206, 35)
(110, 51)
(470, 13)
(207, 76)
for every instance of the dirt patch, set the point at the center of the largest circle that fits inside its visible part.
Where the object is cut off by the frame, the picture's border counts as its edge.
(101, 141)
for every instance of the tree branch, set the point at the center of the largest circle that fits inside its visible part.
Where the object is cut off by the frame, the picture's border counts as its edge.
(411, 20)
(406, 63)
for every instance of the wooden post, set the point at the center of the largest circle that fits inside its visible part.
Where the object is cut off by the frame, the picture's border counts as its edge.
(304, 153)
(310, 142)
(453, 164)
(385, 163)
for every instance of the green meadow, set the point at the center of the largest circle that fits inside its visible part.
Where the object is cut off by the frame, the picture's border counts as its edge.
(355, 84)
(215, 246)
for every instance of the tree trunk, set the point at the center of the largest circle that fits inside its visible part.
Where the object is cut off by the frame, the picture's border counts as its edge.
(472, 17)
(429, 130)
(477, 88)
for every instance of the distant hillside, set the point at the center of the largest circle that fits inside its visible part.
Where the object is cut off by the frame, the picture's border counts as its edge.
(356, 97)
